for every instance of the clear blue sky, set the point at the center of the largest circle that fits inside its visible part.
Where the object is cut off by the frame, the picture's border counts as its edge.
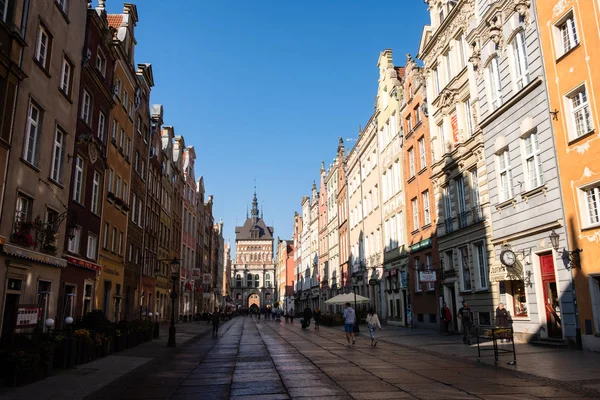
(264, 88)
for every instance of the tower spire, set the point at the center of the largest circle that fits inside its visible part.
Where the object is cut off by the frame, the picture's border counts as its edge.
(254, 212)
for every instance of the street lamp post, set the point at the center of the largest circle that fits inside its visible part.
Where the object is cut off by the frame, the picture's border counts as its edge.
(174, 274)
(354, 286)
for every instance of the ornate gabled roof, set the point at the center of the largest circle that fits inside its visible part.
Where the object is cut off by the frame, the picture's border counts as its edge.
(254, 227)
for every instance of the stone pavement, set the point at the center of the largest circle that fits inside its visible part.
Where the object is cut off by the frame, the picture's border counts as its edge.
(570, 368)
(269, 360)
(76, 384)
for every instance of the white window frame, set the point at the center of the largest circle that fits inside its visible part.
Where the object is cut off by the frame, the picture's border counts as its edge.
(4, 10)
(78, 179)
(580, 120)
(589, 203)
(101, 126)
(411, 162)
(429, 265)
(415, 213)
(418, 287)
(481, 261)
(30, 150)
(92, 246)
(133, 204)
(466, 285)
(494, 84)
(57, 155)
(65, 76)
(86, 107)
(568, 37)
(101, 62)
(106, 233)
(520, 61)
(532, 161)
(422, 156)
(113, 240)
(73, 244)
(95, 193)
(505, 186)
(64, 5)
(426, 208)
(468, 118)
(42, 46)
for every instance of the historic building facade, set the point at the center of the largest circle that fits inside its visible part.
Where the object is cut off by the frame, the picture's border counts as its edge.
(342, 212)
(189, 232)
(421, 209)
(254, 267)
(78, 280)
(323, 249)
(388, 160)
(36, 191)
(306, 261)
(332, 241)
(458, 164)
(285, 273)
(568, 32)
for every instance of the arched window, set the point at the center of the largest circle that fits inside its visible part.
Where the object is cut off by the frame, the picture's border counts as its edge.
(249, 280)
(268, 280)
(238, 280)
(256, 280)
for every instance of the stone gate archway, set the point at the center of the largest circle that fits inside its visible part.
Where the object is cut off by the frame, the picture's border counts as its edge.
(254, 302)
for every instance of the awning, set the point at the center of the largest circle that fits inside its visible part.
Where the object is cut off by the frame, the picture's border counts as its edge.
(83, 263)
(33, 255)
(347, 298)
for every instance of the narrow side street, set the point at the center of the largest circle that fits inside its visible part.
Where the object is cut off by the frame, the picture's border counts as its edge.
(263, 359)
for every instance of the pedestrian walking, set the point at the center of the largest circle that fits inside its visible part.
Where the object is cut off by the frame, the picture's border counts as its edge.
(373, 323)
(291, 312)
(306, 317)
(446, 316)
(216, 320)
(349, 321)
(317, 317)
(464, 314)
(502, 320)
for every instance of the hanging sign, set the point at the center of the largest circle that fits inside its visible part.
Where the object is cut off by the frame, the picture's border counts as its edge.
(427, 276)
(28, 315)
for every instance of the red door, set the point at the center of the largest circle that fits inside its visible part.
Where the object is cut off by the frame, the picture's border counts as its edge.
(551, 301)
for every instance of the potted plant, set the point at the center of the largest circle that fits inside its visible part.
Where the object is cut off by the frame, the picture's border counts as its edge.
(86, 346)
(120, 342)
(125, 206)
(119, 202)
(49, 249)
(110, 196)
(22, 234)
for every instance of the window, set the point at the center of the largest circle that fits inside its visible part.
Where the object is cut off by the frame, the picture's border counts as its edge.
(118, 187)
(521, 67)
(493, 84)
(101, 126)
(86, 107)
(87, 298)
(256, 280)
(3, 9)
(592, 205)
(92, 245)
(442, 135)
(422, 159)
(441, 15)
(429, 265)
(465, 271)
(516, 290)
(436, 81)
(125, 192)
(417, 110)
(57, 156)
(462, 54)
(64, 6)
(505, 176)
(568, 34)
(415, 210)
(128, 148)
(65, 77)
(448, 62)
(426, 210)
(482, 269)
(580, 110)
(417, 275)
(122, 139)
(411, 160)
(120, 243)
(111, 175)
(460, 194)
(43, 47)
(474, 188)
(34, 118)
(95, 192)
(125, 99)
(23, 209)
(78, 180)
(468, 118)
(101, 62)
(105, 239)
(533, 161)
(133, 202)
(408, 123)
(113, 239)
(115, 129)
(447, 202)
(73, 245)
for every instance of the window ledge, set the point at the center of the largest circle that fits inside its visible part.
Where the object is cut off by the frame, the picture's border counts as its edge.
(415, 231)
(412, 178)
(591, 227)
(422, 170)
(510, 202)
(65, 95)
(60, 185)
(428, 225)
(64, 14)
(44, 70)
(540, 189)
(564, 55)
(30, 164)
(581, 138)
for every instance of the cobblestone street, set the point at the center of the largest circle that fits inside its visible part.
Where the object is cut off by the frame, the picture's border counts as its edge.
(268, 360)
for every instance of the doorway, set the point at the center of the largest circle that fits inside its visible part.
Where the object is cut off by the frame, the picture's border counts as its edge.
(9, 323)
(450, 299)
(551, 300)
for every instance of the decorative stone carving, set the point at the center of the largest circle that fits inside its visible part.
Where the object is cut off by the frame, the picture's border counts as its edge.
(475, 58)
(522, 7)
(560, 7)
(495, 31)
(447, 100)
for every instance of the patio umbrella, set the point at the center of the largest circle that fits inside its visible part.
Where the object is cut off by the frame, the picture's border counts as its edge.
(347, 298)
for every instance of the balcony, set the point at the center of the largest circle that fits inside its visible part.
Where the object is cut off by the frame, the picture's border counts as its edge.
(449, 224)
(463, 219)
(477, 213)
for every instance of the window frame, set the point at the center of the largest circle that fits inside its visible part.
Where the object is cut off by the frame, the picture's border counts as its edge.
(92, 238)
(411, 162)
(96, 183)
(580, 92)
(520, 62)
(101, 130)
(426, 208)
(504, 171)
(101, 59)
(482, 269)
(73, 245)
(78, 186)
(494, 83)
(58, 149)
(43, 60)
(66, 69)
(86, 107)
(584, 204)
(464, 267)
(422, 153)
(415, 213)
(533, 155)
(566, 25)
(29, 147)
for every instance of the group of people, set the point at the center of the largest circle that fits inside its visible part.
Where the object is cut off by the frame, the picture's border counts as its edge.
(503, 320)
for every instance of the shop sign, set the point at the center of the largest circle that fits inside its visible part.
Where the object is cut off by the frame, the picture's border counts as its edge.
(196, 274)
(28, 315)
(423, 244)
(501, 272)
(82, 263)
(373, 282)
(399, 263)
(403, 283)
(427, 276)
(111, 271)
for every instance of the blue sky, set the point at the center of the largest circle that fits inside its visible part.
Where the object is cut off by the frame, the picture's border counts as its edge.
(264, 88)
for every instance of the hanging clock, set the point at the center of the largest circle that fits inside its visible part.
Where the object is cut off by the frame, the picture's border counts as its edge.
(508, 258)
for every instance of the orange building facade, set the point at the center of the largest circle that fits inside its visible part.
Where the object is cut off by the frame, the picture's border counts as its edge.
(571, 51)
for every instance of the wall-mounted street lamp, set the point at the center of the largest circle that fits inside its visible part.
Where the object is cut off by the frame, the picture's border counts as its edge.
(571, 255)
(175, 265)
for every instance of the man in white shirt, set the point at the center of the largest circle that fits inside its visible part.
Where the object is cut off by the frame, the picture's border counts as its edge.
(349, 321)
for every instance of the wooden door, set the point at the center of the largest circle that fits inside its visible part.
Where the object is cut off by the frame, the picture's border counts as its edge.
(551, 300)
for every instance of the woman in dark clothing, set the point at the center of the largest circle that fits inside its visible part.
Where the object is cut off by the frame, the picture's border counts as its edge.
(307, 315)
(317, 317)
(502, 320)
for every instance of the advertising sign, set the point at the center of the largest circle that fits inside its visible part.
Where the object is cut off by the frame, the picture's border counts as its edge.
(196, 274)
(28, 316)
(427, 276)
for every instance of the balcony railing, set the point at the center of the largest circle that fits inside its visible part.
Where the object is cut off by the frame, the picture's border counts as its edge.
(462, 219)
(477, 212)
(449, 225)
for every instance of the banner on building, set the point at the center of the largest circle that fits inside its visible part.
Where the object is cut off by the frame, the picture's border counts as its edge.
(206, 278)
(28, 316)
(427, 276)
(196, 274)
